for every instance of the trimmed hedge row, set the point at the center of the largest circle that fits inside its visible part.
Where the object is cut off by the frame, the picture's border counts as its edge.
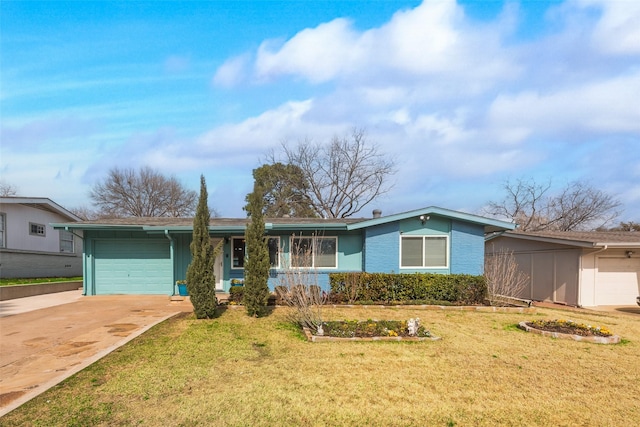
(463, 289)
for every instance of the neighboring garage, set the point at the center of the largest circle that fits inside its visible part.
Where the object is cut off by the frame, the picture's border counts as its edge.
(617, 280)
(575, 268)
(139, 267)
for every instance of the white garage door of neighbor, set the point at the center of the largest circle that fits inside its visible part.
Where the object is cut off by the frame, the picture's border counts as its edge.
(617, 281)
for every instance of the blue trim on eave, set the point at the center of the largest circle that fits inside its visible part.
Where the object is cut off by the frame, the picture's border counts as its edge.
(433, 210)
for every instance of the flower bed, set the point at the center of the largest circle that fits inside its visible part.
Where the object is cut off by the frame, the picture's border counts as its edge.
(568, 329)
(371, 330)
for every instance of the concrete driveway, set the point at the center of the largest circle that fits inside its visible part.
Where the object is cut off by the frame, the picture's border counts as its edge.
(45, 339)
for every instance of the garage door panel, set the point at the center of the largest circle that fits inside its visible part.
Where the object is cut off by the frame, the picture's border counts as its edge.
(618, 281)
(133, 267)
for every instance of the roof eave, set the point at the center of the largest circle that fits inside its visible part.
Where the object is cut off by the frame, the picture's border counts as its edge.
(491, 225)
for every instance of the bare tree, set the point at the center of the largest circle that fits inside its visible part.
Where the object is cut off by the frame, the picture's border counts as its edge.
(298, 285)
(505, 281)
(85, 213)
(7, 189)
(343, 176)
(578, 206)
(142, 193)
(623, 226)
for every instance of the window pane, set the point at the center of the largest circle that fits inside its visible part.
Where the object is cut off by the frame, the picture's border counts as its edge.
(435, 252)
(301, 252)
(66, 241)
(325, 252)
(411, 252)
(238, 252)
(274, 250)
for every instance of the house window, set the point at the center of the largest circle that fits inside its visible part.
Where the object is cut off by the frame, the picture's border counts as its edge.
(3, 227)
(314, 252)
(424, 252)
(66, 241)
(238, 250)
(274, 251)
(36, 229)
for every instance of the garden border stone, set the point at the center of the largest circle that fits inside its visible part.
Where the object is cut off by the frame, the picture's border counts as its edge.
(614, 339)
(320, 338)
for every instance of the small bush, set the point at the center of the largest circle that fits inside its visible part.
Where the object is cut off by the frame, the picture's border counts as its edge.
(236, 293)
(354, 288)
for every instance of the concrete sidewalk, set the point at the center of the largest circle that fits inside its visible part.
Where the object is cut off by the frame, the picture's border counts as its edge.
(47, 338)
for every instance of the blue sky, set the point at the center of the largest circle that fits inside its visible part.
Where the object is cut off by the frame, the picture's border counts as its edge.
(463, 94)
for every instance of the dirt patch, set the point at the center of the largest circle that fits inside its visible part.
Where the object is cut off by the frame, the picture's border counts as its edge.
(6, 398)
(70, 348)
(36, 342)
(122, 329)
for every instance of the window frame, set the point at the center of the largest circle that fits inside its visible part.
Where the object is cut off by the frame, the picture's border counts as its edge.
(314, 240)
(233, 251)
(38, 227)
(278, 251)
(72, 240)
(244, 251)
(3, 230)
(424, 238)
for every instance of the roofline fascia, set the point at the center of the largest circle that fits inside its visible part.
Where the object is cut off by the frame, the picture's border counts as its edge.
(434, 210)
(58, 226)
(578, 243)
(45, 201)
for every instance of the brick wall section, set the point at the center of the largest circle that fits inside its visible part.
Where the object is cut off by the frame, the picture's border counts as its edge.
(30, 265)
(467, 248)
(382, 248)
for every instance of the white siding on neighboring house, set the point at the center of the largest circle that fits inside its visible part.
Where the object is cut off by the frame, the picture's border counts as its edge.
(30, 247)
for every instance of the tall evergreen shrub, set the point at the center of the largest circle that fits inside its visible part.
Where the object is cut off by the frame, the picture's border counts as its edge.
(256, 264)
(200, 278)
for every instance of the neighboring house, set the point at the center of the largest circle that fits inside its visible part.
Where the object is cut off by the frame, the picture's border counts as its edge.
(30, 247)
(575, 268)
(148, 255)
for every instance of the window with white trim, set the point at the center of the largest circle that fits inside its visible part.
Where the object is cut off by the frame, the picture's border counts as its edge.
(66, 241)
(273, 243)
(424, 252)
(36, 229)
(3, 227)
(314, 252)
(238, 251)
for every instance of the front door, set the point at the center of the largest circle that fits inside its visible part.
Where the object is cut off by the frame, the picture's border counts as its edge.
(217, 266)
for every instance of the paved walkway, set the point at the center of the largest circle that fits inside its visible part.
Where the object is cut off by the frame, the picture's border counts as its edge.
(47, 338)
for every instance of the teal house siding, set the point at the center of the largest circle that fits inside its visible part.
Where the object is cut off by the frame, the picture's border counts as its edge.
(349, 258)
(467, 248)
(381, 248)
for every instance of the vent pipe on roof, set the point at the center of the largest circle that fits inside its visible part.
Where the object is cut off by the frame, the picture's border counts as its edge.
(377, 213)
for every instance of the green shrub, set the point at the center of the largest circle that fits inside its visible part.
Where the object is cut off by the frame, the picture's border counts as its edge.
(463, 289)
(236, 293)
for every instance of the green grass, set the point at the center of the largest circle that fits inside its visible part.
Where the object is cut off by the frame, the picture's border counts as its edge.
(240, 371)
(9, 282)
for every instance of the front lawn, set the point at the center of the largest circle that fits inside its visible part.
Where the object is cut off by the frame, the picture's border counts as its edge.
(241, 371)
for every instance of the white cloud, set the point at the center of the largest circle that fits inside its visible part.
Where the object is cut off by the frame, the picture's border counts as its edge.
(608, 106)
(618, 30)
(318, 54)
(434, 39)
(232, 72)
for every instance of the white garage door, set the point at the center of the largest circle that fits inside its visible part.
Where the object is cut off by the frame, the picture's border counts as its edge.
(617, 281)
